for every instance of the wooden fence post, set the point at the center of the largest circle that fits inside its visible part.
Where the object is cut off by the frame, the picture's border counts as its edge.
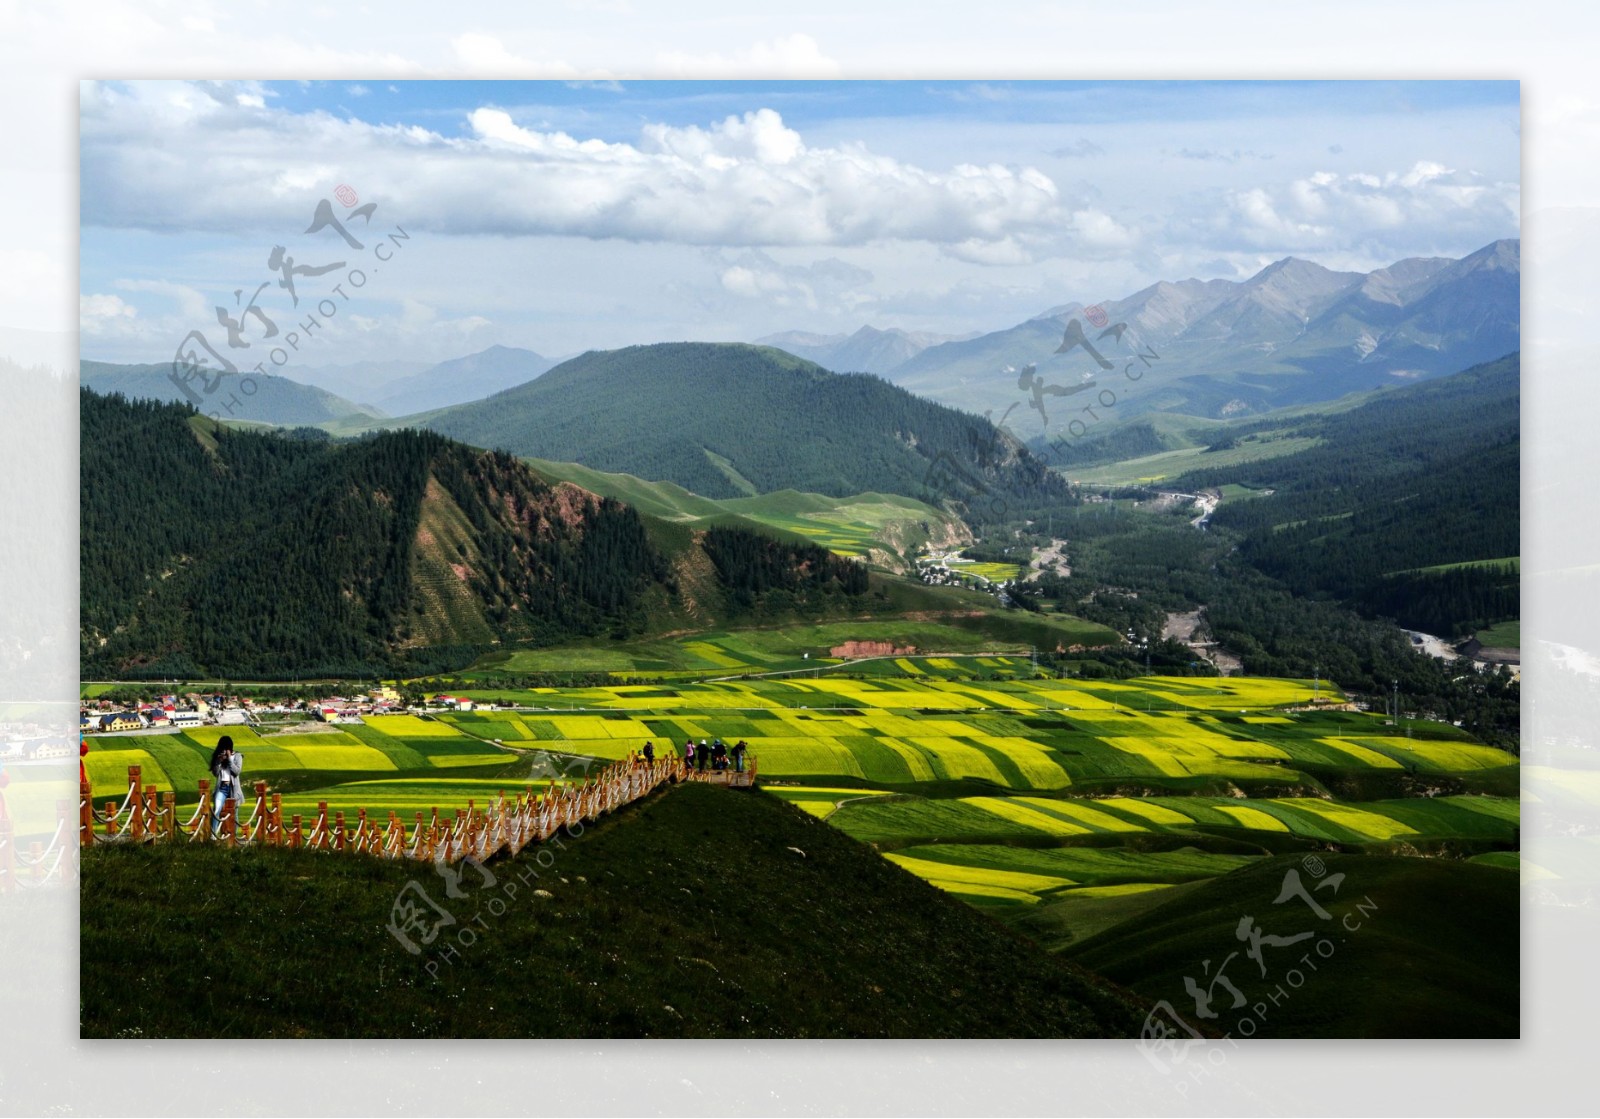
(230, 822)
(135, 804)
(169, 812)
(261, 817)
(85, 814)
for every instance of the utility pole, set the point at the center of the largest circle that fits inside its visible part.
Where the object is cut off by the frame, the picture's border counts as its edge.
(1396, 685)
(1316, 685)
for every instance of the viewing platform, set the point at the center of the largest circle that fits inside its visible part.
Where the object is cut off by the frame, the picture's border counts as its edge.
(732, 778)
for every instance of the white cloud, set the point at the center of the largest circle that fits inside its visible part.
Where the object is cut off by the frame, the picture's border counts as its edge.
(791, 56)
(1429, 204)
(187, 301)
(1007, 250)
(189, 156)
(1097, 229)
(97, 314)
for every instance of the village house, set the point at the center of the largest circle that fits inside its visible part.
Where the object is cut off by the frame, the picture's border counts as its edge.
(121, 720)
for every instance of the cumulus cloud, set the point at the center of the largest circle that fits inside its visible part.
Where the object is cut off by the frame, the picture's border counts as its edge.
(185, 300)
(191, 156)
(1425, 205)
(99, 313)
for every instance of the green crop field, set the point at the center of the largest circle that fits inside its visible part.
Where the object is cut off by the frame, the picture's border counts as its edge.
(993, 572)
(1505, 635)
(1510, 564)
(818, 802)
(1170, 464)
(846, 526)
(389, 745)
(873, 525)
(406, 796)
(796, 647)
(973, 819)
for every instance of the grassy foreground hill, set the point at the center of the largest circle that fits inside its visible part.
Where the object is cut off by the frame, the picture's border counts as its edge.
(699, 912)
(1415, 948)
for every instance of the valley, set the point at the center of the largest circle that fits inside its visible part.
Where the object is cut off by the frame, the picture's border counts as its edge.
(1074, 700)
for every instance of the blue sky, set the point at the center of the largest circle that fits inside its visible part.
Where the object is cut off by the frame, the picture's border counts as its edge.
(564, 216)
(613, 108)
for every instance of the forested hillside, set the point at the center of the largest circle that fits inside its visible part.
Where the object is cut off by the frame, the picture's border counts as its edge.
(1418, 478)
(732, 420)
(211, 550)
(778, 575)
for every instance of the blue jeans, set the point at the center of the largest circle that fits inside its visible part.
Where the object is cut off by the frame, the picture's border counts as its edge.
(224, 793)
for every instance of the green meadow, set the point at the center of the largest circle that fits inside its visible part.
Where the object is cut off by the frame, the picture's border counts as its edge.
(797, 646)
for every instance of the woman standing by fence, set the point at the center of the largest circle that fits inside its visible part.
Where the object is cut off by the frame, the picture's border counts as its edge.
(226, 766)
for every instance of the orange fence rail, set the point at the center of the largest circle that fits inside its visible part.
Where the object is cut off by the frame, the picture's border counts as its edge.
(144, 816)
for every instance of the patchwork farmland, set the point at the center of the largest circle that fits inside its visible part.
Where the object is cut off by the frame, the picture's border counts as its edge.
(1086, 800)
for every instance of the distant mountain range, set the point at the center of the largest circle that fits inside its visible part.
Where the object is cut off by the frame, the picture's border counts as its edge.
(727, 420)
(400, 388)
(1294, 333)
(868, 350)
(308, 395)
(461, 380)
(253, 397)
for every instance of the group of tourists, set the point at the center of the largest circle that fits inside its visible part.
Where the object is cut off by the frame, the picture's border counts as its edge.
(714, 755)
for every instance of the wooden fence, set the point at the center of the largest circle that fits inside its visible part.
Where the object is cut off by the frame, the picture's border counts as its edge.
(39, 862)
(146, 816)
